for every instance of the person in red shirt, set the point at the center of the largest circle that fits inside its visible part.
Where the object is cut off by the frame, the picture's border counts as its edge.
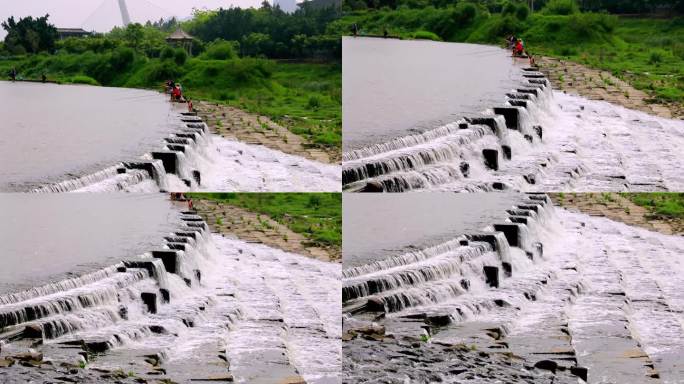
(518, 51)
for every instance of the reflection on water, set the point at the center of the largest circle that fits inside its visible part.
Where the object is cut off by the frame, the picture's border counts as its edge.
(49, 132)
(377, 226)
(392, 88)
(44, 238)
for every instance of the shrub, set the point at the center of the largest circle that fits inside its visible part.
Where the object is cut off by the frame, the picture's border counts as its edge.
(314, 102)
(167, 53)
(220, 50)
(655, 57)
(180, 56)
(508, 9)
(83, 79)
(161, 71)
(122, 58)
(425, 35)
(467, 12)
(522, 12)
(561, 7)
(592, 25)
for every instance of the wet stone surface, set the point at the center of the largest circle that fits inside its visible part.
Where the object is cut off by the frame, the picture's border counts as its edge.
(416, 361)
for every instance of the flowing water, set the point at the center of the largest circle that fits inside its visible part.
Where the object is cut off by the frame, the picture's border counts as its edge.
(583, 295)
(523, 137)
(144, 144)
(184, 304)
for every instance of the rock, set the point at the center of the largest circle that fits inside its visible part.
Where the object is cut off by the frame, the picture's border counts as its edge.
(375, 305)
(294, 380)
(511, 231)
(547, 365)
(373, 186)
(99, 346)
(491, 158)
(439, 320)
(465, 169)
(29, 356)
(491, 276)
(33, 331)
(507, 152)
(6, 362)
(150, 300)
(580, 372)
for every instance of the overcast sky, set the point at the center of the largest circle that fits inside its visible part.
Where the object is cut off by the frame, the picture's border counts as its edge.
(102, 15)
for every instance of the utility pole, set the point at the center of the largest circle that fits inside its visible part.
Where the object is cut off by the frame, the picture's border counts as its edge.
(125, 17)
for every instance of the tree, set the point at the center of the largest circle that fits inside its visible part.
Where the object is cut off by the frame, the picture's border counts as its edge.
(134, 34)
(30, 35)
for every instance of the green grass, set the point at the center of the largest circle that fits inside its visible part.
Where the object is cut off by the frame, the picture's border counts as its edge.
(282, 91)
(317, 216)
(647, 53)
(669, 205)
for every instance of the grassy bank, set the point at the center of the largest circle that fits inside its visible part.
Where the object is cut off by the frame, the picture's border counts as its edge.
(670, 205)
(304, 97)
(317, 216)
(647, 53)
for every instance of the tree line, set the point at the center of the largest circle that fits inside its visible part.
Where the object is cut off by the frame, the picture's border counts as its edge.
(497, 6)
(264, 32)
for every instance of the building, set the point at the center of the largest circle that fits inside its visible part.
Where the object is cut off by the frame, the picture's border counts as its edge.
(72, 32)
(181, 39)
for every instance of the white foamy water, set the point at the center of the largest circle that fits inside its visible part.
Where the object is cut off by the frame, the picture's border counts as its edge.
(236, 166)
(225, 166)
(601, 292)
(558, 142)
(246, 310)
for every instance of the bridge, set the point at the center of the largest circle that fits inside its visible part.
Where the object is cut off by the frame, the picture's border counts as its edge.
(116, 13)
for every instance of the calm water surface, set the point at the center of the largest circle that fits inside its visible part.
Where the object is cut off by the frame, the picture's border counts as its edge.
(392, 88)
(376, 226)
(46, 238)
(50, 132)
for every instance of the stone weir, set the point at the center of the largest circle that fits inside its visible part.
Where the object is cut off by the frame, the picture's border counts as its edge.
(439, 314)
(465, 155)
(178, 156)
(149, 301)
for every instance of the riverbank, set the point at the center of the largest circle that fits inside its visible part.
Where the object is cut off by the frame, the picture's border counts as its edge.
(618, 207)
(304, 98)
(595, 84)
(301, 230)
(250, 128)
(644, 53)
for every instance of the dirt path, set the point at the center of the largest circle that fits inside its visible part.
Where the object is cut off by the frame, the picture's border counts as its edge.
(596, 84)
(233, 123)
(253, 227)
(617, 208)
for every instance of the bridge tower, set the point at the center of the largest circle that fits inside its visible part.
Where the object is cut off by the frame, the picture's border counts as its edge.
(125, 17)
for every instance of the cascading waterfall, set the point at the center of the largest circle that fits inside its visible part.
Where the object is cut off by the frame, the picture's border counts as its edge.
(445, 155)
(427, 279)
(200, 304)
(151, 173)
(552, 142)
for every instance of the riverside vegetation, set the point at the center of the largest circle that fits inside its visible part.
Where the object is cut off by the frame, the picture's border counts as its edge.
(264, 61)
(317, 216)
(646, 50)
